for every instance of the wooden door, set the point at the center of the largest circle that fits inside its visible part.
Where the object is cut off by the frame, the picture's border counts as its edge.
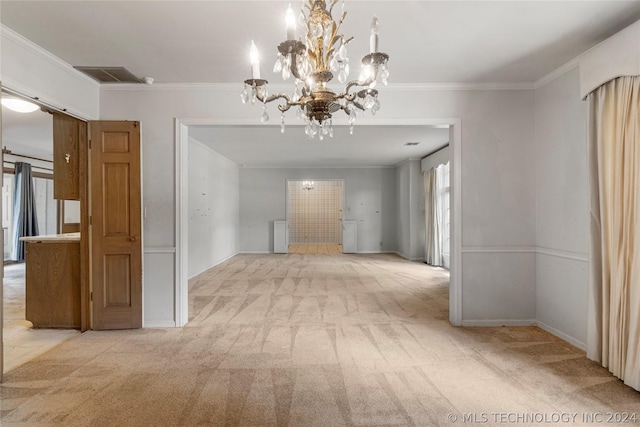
(67, 134)
(116, 225)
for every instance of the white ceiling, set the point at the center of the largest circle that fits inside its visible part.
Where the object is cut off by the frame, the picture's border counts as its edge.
(29, 134)
(428, 41)
(368, 146)
(512, 42)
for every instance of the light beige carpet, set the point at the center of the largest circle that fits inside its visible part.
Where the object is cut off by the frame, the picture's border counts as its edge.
(21, 342)
(315, 340)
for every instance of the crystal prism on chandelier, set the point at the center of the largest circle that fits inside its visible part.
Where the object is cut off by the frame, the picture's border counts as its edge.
(313, 61)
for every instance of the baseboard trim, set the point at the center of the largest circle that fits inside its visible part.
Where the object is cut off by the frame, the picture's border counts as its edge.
(401, 254)
(159, 250)
(500, 322)
(562, 336)
(159, 324)
(575, 256)
(253, 252)
(214, 264)
(498, 249)
(526, 322)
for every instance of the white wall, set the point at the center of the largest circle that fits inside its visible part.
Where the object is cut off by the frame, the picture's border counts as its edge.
(410, 227)
(498, 210)
(156, 107)
(46, 205)
(417, 209)
(500, 268)
(213, 194)
(370, 200)
(498, 216)
(403, 209)
(34, 72)
(562, 215)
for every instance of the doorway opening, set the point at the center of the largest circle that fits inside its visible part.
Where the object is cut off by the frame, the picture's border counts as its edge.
(182, 125)
(315, 215)
(27, 139)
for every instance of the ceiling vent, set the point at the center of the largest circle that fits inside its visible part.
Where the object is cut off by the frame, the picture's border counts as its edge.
(411, 144)
(110, 74)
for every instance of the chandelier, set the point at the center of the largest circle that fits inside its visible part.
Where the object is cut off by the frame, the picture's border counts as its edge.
(312, 61)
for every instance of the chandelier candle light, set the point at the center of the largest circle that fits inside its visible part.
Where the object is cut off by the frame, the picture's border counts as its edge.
(312, 63)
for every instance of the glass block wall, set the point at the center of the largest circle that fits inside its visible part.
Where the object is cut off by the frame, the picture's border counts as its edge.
(315, 211)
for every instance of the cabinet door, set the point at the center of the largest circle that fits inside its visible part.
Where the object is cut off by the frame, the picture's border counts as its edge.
(67, 134)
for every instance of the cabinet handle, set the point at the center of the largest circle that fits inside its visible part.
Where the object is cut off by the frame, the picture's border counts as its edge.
(133, 239)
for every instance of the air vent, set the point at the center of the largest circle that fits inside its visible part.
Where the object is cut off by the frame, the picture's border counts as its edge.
(411, 144)
(110, 74)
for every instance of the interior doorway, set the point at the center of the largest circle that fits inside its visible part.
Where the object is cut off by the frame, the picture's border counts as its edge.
(27, 138)
(181, 301)
(315, 214)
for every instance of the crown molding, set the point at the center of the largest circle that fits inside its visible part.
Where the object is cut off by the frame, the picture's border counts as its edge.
(8, 34)
(409, 160)
(139, 87)
(280, 87)
(283, 166)
(458, 86)
(575, 62)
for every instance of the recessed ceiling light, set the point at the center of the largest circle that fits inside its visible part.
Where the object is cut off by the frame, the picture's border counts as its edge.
(19, 105)
(411, 143)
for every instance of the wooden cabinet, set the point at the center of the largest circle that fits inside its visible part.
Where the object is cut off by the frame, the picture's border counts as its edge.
(53, 281)
(68, 133)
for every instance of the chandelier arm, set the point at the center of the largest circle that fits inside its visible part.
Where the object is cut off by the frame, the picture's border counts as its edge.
(350, 96)
(333, 3)
(347, 107)
(294, 66)
(344, 15)
(273, 97)
(312, 63)
(307, 92)
(281, 107)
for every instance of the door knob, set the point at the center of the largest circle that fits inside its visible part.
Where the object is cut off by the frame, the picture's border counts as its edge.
(133, 238)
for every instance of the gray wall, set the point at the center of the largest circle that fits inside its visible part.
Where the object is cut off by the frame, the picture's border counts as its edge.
(403, 211)
(417, 208)
(370, 200)
(213, 208)
(562, 216)
(410, 227)
(506, 278)
(498, 214)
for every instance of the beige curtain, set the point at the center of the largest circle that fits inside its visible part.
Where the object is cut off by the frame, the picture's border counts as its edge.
(433, 249)
(614, 161)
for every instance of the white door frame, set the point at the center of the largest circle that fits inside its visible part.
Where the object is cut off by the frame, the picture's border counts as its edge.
(182, 204)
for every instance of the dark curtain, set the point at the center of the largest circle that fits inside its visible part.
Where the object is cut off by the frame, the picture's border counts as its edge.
(25, 222)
